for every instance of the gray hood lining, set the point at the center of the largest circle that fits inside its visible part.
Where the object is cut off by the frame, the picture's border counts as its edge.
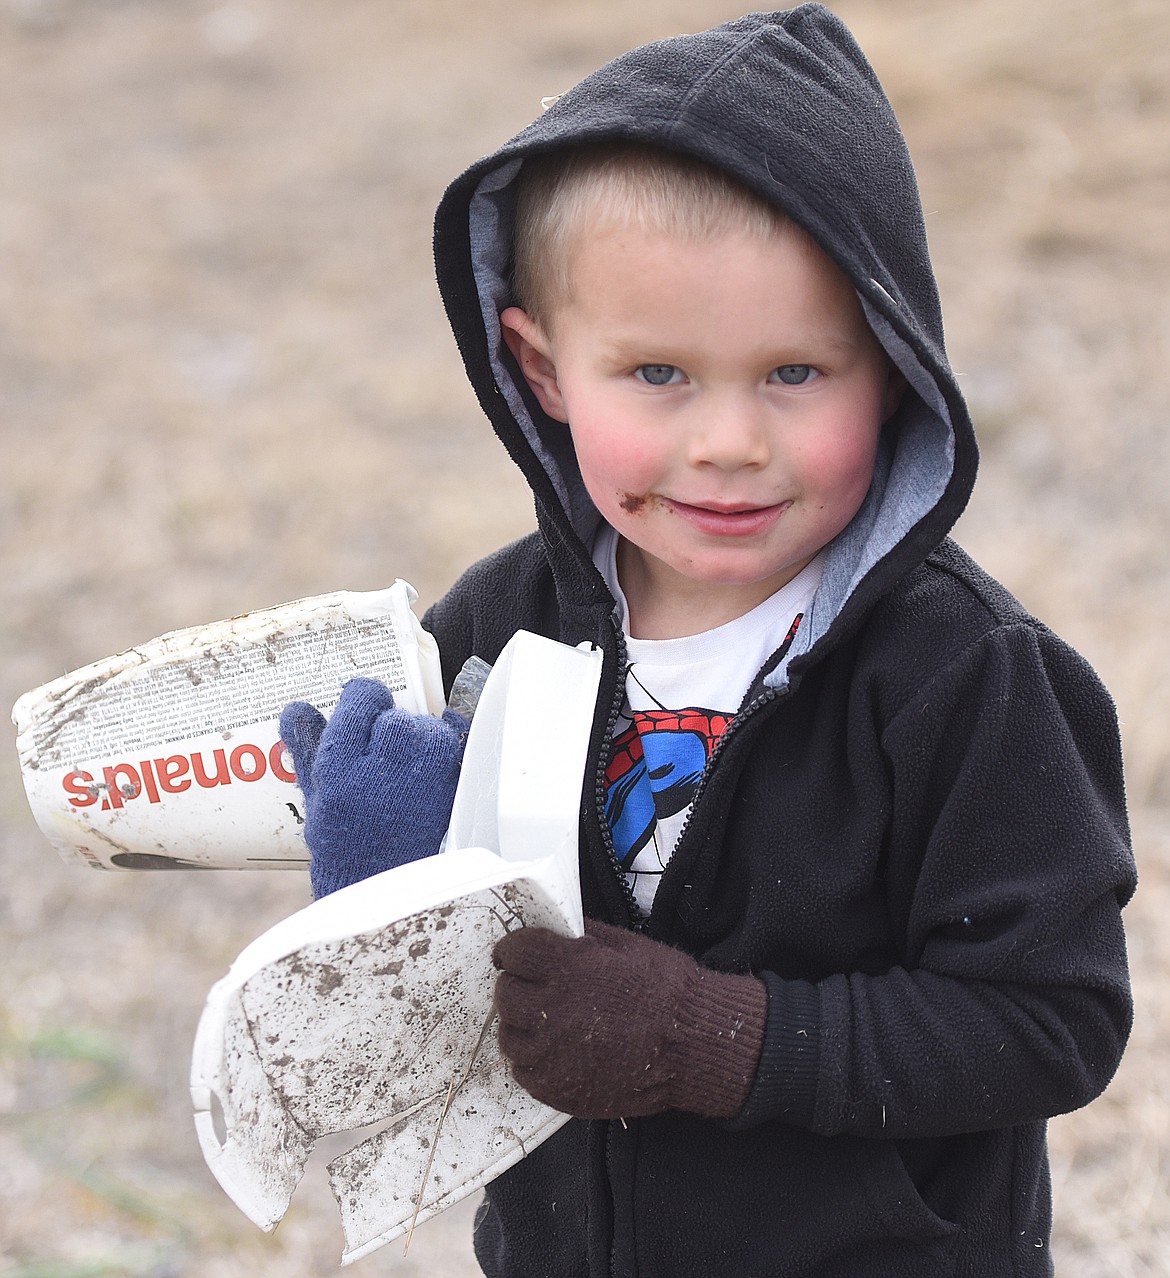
(490, 230)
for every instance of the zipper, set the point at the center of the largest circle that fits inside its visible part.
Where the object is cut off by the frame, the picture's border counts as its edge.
(612, 1202)
(635, 917)
(639, 921)
(756, 704)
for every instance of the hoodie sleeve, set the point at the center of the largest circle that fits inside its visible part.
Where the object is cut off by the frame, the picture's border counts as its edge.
(495, 597)
(1009, 862)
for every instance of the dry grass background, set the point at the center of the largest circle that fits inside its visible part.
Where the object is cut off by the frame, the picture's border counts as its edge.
(225, 380)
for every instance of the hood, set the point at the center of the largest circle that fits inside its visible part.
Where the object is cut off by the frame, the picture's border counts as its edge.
(787, 103)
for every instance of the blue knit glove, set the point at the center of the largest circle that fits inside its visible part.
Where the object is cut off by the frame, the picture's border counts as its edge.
(378, 782)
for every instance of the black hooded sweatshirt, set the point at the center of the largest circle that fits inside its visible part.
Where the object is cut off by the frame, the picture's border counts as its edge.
(915, 834)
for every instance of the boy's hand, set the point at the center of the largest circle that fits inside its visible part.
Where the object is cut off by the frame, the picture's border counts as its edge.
(614, 1025)
(378, 782)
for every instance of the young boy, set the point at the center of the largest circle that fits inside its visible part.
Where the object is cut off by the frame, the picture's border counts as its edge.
(854, 846)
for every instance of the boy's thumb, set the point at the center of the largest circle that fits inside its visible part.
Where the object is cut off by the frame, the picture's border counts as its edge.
(301, 726)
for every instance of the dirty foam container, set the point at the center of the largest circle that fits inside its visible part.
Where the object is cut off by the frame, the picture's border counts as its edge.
(370, 1011)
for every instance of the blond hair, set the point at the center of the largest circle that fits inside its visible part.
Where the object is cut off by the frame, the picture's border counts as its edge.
(565, 193)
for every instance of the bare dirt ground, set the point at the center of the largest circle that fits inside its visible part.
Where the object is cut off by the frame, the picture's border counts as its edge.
(225, 381)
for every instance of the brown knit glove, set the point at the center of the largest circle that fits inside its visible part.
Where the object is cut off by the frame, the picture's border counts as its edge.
(615, 1025)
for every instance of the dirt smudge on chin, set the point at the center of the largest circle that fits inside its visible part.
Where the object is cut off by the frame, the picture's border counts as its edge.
(634, 503)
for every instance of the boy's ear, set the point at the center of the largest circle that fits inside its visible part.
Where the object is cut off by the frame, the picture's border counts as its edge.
(532, 350)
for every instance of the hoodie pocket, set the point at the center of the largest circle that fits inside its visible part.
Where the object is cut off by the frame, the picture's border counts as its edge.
(895, 1197)
(769, 1201)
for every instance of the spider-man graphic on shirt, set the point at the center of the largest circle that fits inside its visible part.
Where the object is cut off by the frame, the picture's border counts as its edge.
(654, 771)
(656, 765)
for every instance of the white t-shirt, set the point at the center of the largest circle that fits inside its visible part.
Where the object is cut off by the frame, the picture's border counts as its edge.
(681, 694)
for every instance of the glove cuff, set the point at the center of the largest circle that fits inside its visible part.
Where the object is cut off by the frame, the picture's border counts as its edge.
(719, 1028)
(328, 875)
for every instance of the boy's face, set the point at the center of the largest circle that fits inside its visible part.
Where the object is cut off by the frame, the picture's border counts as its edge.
(725, 399)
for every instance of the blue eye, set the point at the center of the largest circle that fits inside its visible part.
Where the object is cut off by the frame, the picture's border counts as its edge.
(658, 374)
(796, 374)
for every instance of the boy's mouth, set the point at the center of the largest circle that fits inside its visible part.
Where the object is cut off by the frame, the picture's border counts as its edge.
(730, 520)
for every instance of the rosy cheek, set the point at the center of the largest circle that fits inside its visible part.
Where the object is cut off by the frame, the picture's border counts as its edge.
(613, 461)
(842, 469)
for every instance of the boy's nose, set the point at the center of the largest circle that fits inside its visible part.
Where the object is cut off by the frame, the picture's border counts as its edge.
(729, 436)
